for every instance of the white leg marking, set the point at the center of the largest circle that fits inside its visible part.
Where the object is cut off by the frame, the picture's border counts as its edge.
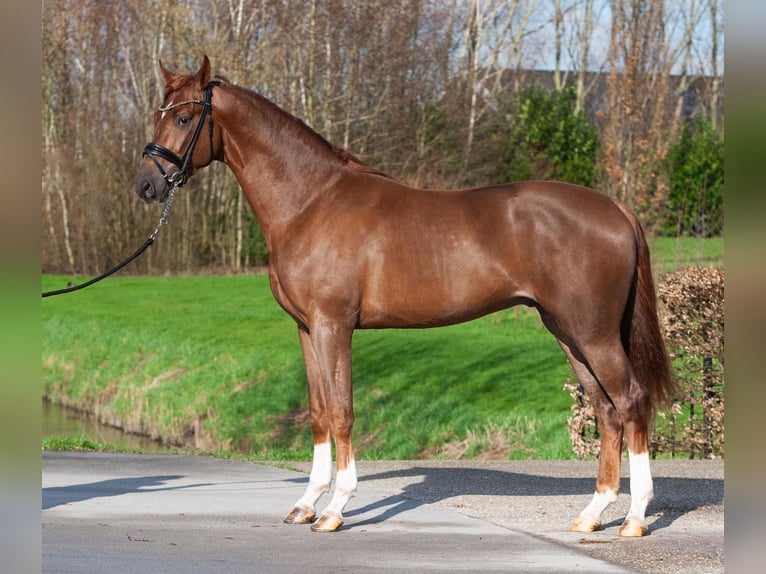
(641, 488)
(345, 489)
(597, 505)
(320, 477)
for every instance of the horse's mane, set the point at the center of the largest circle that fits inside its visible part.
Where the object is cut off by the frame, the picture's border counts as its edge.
(349, 160)
(354, 163)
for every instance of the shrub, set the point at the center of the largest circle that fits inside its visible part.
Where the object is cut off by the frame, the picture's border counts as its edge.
(548, 139)
(696, 168)
(692, 322)
(582, 425)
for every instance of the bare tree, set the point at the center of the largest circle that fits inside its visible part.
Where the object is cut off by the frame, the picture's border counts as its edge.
(715, 11)
(638, 128)
(583, 23)
(492, 43)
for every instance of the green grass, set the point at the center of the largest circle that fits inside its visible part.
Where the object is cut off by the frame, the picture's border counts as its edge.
(81, 442)
(671, 253)
(170, 355)
(76, 442)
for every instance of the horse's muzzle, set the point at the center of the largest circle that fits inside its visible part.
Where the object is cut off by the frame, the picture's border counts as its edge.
(151, 187)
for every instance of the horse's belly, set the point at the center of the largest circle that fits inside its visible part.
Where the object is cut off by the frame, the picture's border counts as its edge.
(425, 298)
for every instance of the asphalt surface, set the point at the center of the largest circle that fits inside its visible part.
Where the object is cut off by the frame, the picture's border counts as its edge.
(122, 513)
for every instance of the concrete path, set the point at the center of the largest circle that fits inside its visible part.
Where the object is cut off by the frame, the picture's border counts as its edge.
(120, 513)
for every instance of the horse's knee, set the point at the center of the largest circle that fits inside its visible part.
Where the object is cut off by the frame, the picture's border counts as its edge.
(320, 427)
(341, 422)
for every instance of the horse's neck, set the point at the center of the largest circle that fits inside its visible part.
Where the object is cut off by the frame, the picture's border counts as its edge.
(280, 165)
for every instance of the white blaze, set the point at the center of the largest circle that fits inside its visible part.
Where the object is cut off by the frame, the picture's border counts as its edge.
(170, 104)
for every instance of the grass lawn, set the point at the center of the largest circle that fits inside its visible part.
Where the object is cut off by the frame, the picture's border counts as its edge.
(671, 253)
(214, 362)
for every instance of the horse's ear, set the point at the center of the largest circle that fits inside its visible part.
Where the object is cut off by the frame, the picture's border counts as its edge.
(167, 74)
(203, 76)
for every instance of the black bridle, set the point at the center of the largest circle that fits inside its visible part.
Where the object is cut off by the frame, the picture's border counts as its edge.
(174, 180)
(153, 150)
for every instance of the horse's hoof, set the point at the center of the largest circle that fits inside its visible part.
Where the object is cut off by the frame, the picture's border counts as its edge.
(327, 523)
(633, 528)
(584, 524)
(300, 516)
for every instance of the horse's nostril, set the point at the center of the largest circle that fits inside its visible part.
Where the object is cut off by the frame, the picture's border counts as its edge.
(148, 189)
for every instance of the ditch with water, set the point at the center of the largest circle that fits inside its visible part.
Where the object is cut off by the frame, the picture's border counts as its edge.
(60, 421)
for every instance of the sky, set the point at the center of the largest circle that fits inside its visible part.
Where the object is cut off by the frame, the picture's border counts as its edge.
(541, 53)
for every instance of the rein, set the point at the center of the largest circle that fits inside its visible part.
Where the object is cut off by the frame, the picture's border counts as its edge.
(175, 180)
(163, 220)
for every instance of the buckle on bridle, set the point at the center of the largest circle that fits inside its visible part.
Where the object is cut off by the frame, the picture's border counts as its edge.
(177, 178)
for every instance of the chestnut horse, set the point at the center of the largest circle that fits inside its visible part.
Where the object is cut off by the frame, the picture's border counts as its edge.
(352, 248)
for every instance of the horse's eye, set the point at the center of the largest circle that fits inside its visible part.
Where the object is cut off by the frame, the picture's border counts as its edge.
(182, 121)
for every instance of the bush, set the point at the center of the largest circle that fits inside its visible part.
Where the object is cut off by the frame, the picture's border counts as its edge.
(692, 323)
(582, 425)
(696, 169)
(544, 137)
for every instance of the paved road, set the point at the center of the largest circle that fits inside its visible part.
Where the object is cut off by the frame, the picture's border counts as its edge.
(121, 513)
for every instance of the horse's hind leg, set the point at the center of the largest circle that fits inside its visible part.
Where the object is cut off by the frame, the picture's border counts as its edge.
(634, 407)
(622, 409)
(608, 481)
(627, 408)
(612, 368)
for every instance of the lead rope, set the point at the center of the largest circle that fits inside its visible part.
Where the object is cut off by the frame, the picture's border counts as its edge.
(166, 205)
(163, 220)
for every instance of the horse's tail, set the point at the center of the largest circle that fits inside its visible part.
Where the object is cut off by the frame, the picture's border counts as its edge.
(642, 336)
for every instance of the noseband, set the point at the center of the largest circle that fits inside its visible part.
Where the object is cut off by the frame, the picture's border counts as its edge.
(153, 150)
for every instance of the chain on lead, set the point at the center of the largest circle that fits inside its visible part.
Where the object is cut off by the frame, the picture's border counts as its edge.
(165, 211)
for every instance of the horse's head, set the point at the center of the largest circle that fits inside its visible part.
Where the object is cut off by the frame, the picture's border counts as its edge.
(185, 138)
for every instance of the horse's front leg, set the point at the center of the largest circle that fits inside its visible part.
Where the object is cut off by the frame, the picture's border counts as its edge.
(331, 341)
(327, 354)
(321, 469)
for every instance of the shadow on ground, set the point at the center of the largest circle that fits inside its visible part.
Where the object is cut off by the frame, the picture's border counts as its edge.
(61, 495)
(674, 496)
